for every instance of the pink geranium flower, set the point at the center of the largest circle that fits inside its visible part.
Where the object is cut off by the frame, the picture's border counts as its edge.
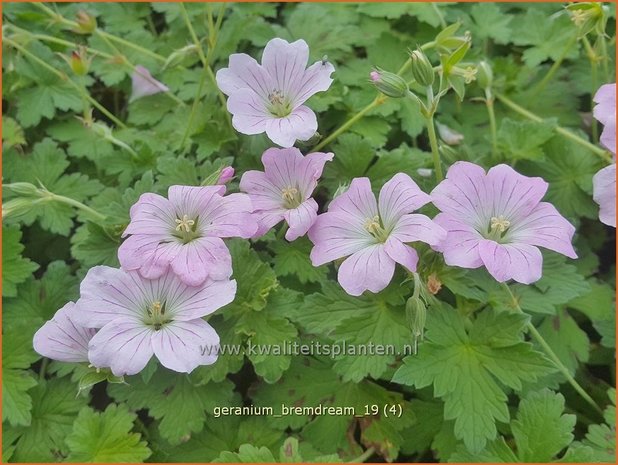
(62, 339)
(497, 219)
(141, 317)
(270, 97)
(605, 112)
(184, 232)
(604, 186)
(143, 84)
(283, 190)
(373, 235)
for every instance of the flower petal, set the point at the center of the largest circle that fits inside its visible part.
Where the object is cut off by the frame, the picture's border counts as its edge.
(264, 194)
(368, 269)
(401, 253)
(187, 303)
(545, 227)
(150, 255)
(604, 183)
(285, 63)
(301, 124)
(398, 196)
(415, 227)
(249, 113)
(267, 219)
(230, 216)
(605, 110)
(193, 200)
(182, 346)
(143, 84)
(62, 339)
(358, 201)
(521, 262)
(151, 214)
(243, 73)
(124, 345)
(315, 79)
(460, 246)
(300, 219)
(337, 234)
(206, 257)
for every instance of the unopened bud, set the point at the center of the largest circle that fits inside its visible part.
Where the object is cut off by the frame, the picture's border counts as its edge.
(225, 175)
(416, 315)
(86, 23)
(79, 62)
(424, 172)
(23, 188)
(390, 84)
(16, 207)
(177, 56)
(422, 70)
(484, 75)
(448, 135)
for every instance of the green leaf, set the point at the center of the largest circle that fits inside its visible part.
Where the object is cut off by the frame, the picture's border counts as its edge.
(468, 368)
(93, 244)
(354, 155)
(491, 22)
(106, 437)
(292, 258)
(17, 379)
(12, 133)
(523, 139)
(568, 341)
(54, 408)
(174, 400)
(15, 268)
(247, 454)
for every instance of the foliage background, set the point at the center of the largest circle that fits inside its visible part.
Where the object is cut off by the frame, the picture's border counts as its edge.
(501, 401)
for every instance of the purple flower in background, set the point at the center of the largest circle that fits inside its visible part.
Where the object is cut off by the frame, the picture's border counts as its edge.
(373, 235)
(604, 187)
(140, 317)
(497, 219)
(62, 339)
(283, 190)
(143, 84)
(269, 97)
(184, 231)
(605, 112)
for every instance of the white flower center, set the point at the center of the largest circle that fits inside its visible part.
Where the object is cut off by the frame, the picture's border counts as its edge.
(155, 315)
(374, 227)
(291, 197)
(279, 105)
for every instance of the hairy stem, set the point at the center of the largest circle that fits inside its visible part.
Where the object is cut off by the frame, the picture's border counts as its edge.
(555, 66)
(433, 141)
(77, 204)
(489, 102)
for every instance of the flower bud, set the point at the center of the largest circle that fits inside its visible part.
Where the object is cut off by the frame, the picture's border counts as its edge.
(424, 172)
(422, 70)
(484, 75)
(86, 23)
(23, 188)
(79, 62)
(16, 207)
(177, 56)
(225, 175)
(416, 315)
(390, 84)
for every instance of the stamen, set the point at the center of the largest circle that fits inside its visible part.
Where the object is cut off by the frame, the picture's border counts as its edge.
(185, 223)
(291, 197)
(499, 224)
(279, 105)
(156, 314)
(373, 226)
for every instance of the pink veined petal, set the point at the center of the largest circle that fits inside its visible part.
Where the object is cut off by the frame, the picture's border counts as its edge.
(149, 254)
(285, 63)
(608, 136)
(282, 166)
(267, 219)
(358, 201)
(244, 73)
(415, 227)
(123, 344)
(460, 246)
(315, 79)
(249, 112)
(520, 262)
(401, 253)
(187, 303)
(514, 195)
(463, 194)
(231, 217)
(368, 269)
(106, 294)
(301, 124)
(182, 346)
(264, 194)
(398, 196)
(193, 200)
(62, 339)
(545, 227)
(604, 186)
(311, 170)
(300, 219)
(605, 110)
(206, 257)
(151, 214)
(143, 84)
(335, 235)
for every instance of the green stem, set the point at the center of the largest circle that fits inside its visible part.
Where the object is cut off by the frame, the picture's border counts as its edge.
(75, 203)
(196, 101)
(433, 141)
(555, 66)
(594, 69)
(196, 42)
(64, 77)
(43, 369)
(282, 230)
(605, 58)
(364, 456)
(552, 355)
(560, 130)
(489, 102)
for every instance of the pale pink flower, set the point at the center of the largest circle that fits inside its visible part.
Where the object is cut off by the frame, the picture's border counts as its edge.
(270, 97)
(605, 112)
(373, 235)
(62, 339)
(604, 186)
(497, 219)
(283, 190)
(225, 175)
(143, 84)
(185, 232)
(142, 317)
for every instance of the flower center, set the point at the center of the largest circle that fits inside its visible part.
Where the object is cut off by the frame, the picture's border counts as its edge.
(156, 315)
(279, 105)
(498, 225)
(186, 229)
(374, 227)
(291, 197)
